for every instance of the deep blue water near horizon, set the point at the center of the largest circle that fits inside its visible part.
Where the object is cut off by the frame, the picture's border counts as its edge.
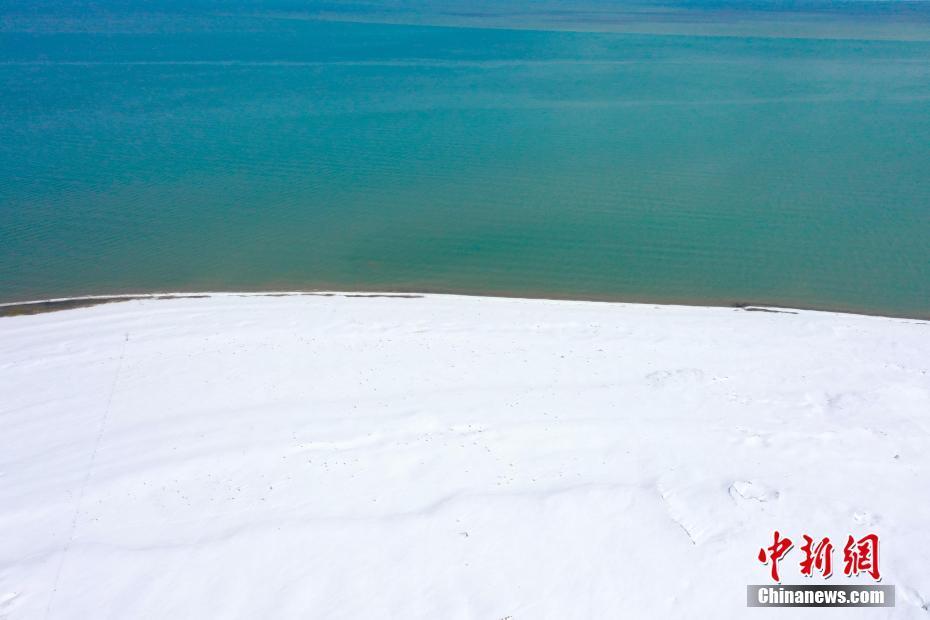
(556, 151)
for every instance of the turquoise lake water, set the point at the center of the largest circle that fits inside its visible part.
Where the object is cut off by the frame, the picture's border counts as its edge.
(506, 153)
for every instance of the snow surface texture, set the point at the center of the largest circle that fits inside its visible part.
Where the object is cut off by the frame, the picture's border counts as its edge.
(450, 457)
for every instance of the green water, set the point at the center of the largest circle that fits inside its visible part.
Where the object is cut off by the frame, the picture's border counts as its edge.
(259, 153)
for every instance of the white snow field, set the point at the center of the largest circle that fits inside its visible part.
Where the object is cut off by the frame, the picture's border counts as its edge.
(309, 456)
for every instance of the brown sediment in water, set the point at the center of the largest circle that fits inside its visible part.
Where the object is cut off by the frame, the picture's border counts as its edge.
(55, 305)
(40, 307)
(750, 308)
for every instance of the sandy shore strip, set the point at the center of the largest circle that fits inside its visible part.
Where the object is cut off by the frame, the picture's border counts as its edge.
(450, 457)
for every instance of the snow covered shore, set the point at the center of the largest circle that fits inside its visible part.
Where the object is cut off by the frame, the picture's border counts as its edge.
(450, 457)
